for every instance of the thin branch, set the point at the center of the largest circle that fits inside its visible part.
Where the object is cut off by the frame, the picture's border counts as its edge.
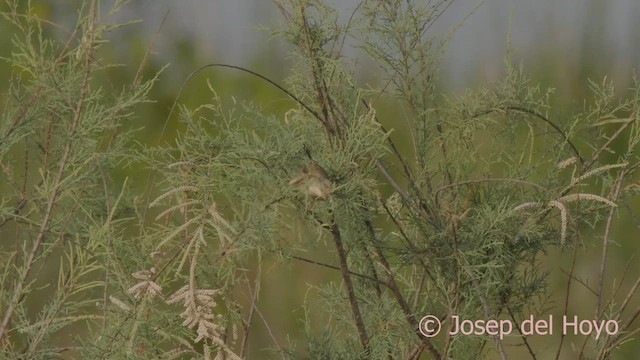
(404, 306)
(597, 154)
(524, 338)
(36, 95)
(619, 340)
(580, 281)
(405, 197)
(605, 241)
(254, 300)
(270, 332)
(145, 58)
(566, 297)
(329, 266)
(318, 79)
(630, 294)
(25, 108)
(57, 184)
(541, 117)
(622, 336)
(477, 181)
(488, 315)
(344, 268)
(606, 337)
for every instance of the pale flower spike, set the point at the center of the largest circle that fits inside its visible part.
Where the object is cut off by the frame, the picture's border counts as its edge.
(560, 205)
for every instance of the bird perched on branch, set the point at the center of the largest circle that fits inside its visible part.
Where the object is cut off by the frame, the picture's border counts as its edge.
(315, 182)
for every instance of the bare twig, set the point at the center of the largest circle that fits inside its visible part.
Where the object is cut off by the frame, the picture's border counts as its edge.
(270, 332)
(254, 306)
(613, 137)
(489, 180)
(605, 240)
(404, 306)
(523, 337)
(541, 117)
(344, 268)
(567, 296)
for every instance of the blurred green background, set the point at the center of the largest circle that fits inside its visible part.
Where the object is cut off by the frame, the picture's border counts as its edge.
(561, 43)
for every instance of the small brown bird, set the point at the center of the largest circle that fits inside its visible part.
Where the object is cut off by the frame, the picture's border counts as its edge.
(315, 180)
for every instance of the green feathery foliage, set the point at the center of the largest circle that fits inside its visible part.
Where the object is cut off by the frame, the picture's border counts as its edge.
(457, 219)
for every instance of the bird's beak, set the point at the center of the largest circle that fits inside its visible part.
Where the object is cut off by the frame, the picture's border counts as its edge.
(298, 180)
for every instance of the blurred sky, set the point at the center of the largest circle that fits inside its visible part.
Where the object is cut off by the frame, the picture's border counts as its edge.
(605, 33)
